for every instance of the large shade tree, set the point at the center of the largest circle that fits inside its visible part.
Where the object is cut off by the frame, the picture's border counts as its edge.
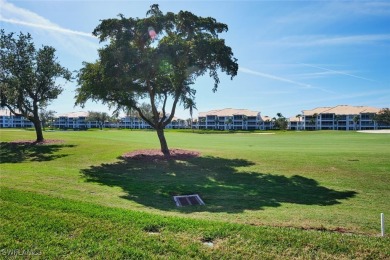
(155, 59)
(28, 77)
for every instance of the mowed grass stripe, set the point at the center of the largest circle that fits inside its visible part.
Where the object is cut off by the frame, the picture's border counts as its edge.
(56, 228)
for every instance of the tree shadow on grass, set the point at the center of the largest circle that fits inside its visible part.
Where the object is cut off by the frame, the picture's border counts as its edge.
(16, 152)
(219, 182)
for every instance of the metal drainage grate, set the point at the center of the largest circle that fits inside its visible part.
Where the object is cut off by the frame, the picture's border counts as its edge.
(186, 200)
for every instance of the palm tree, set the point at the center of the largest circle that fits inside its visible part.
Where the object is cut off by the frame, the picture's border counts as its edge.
(190, 104)
(202, 120)
(244, 120)
(131, 114)
(268, 123)
(374, 119)
(188, 122)
(229, 121)
(313, 120)
(280, 122)
(196, 123)
(273, 120)
(356, 120)
(337, 119)
(299, 116)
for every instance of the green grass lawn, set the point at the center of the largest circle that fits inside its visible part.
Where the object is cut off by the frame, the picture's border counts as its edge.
(257, 189)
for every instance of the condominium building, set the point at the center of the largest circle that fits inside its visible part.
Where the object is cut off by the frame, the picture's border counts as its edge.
(342, 117)
(9, 120)
(135, 122)
(295, 123)
(78, 120)
(74, 120)
(232, 119)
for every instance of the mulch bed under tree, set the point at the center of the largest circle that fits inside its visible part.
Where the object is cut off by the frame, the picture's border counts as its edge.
(156, 155)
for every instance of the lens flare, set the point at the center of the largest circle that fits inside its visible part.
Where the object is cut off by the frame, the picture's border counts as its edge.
(152, 33)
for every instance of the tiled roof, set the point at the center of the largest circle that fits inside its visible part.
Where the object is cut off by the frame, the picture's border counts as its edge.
(6, 112)
(341, 110)
(352, 110)
(295, 119)
(266, 118)
(318, 110)
(74, 114)
(229, 112)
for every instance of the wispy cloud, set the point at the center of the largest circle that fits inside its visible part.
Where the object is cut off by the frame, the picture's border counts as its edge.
(374, 8)
(273, 77)
(46, 27)
(76, 43)
(19, 16)
(337, 72)
(313, 75)
(369, 98)
(354, 39)
(326, 40)
(330, 12)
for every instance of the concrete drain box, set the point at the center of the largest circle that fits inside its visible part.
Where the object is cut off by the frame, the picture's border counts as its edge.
(187, 200)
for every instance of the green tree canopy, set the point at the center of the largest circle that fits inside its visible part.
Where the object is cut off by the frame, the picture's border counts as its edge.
(383, 117)
(99, 117)
(280, 122)
(158, 59)
(47, 117)
(28, 77)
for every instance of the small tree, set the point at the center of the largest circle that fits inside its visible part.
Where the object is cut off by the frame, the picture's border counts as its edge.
(156, 58)
(47, 117)
(202, 120)
(337, 119)
(313, 120)
(189, 123)
(280, 122)
(99, 117)
(299, 116)
(356, 120)
(229, 122)
(244, 121)
(28, 77)
(383, 117)
(269, 123)
(196, 123)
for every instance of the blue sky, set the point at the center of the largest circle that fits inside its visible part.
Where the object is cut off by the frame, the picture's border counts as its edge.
(292, 55)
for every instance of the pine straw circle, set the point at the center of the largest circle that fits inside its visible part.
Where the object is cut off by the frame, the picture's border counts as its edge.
(156, 155)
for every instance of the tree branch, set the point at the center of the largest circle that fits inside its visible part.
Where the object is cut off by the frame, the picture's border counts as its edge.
(144, 117)
(172, 111)
(152, 103)
(163, 108)
(13, 111)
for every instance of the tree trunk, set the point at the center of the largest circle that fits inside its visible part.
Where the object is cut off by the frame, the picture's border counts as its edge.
(38, 130)
(163, 141)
